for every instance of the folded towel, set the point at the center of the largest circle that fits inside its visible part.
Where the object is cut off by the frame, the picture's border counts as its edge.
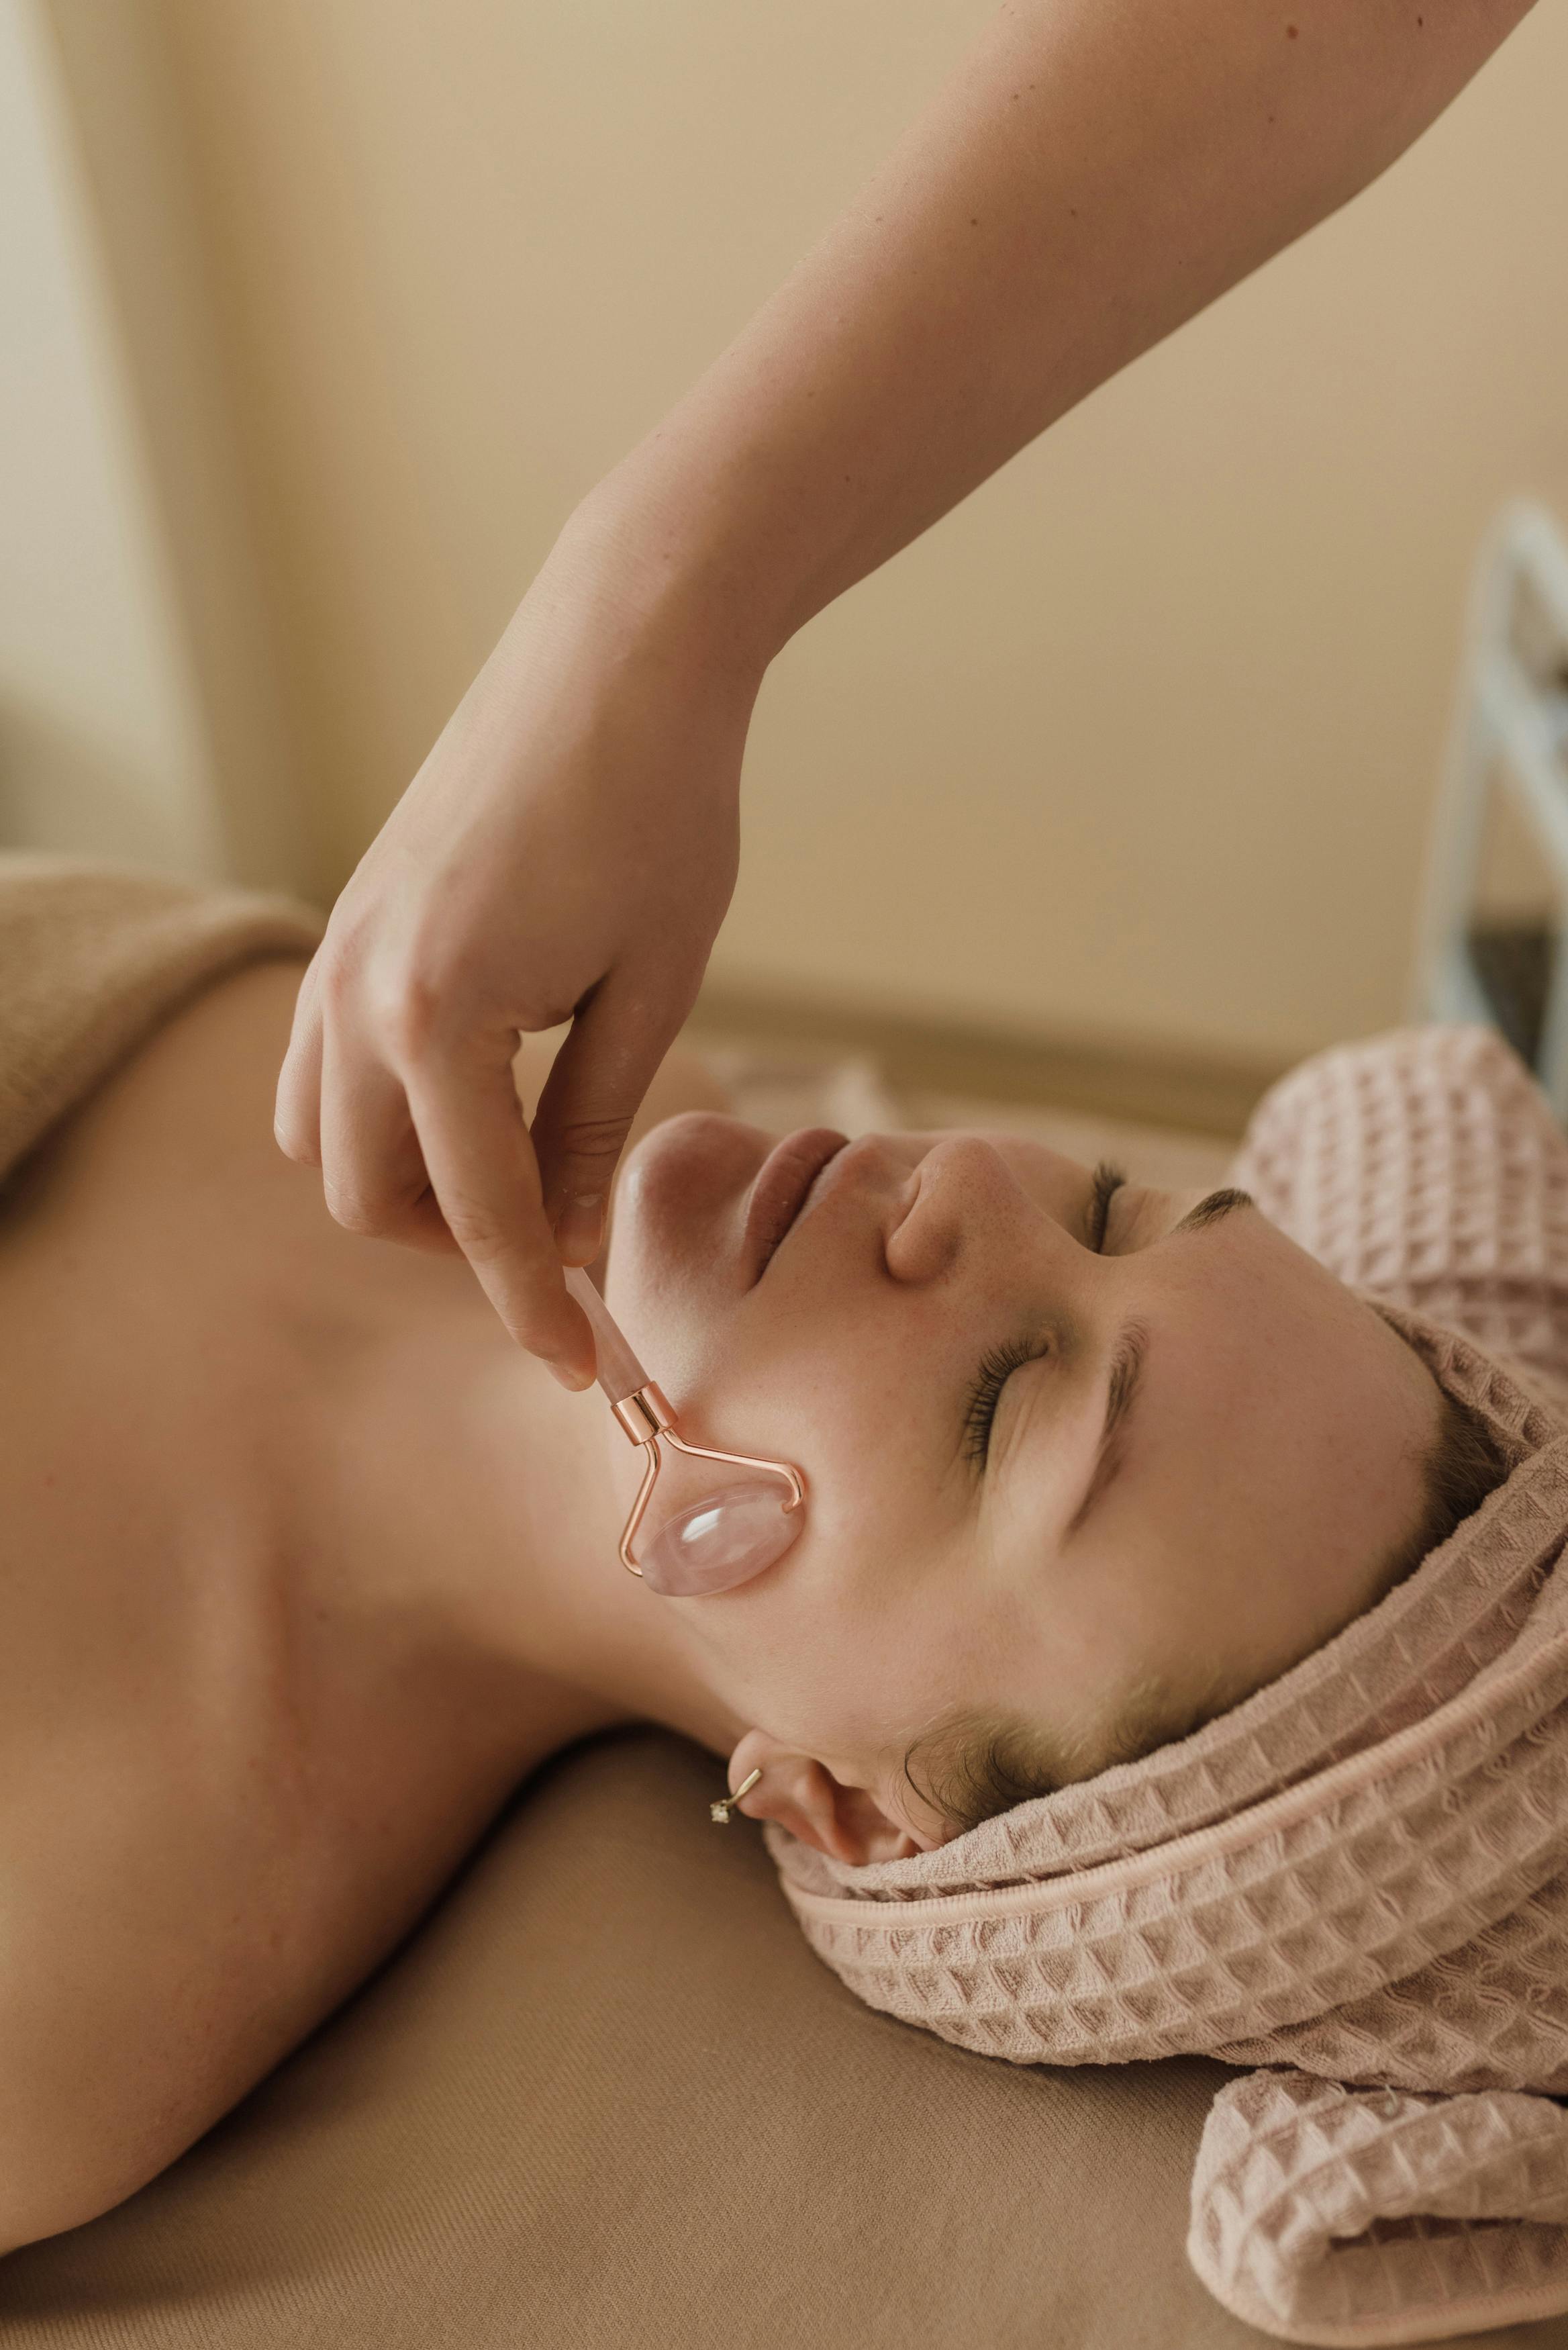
(1361, 1872)
(93, 957)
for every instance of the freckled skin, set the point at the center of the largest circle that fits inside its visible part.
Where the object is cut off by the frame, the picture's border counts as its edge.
(308, 1566)
(1270, 1462)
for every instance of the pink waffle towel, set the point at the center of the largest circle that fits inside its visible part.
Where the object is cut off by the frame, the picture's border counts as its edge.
(1358, 1878)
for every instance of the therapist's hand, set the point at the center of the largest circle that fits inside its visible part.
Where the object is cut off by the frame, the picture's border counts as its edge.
(567, 852)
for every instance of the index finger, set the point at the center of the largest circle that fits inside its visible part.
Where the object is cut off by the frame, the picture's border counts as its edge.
(482, 1170)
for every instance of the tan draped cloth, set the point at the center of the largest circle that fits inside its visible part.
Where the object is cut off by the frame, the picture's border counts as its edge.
(93, 959)
(1358, 1878)
(605, 2098)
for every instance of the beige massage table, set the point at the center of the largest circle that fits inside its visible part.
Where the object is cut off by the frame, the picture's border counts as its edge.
(488, 2149)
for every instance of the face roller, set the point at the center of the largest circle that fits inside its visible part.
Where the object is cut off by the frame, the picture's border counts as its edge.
(730, 1535)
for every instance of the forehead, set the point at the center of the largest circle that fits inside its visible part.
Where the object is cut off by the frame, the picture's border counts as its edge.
(1261, 1372)
(1271, 1453)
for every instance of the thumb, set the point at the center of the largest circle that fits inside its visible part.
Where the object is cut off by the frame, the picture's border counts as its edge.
(593, 1091)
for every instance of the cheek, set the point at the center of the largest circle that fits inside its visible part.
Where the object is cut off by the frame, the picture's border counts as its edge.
(835, 1653)
(862, 1430)
(672, 1265)
(824, 1381)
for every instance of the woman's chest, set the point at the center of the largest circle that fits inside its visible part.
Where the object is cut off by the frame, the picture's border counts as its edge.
(221, 1800)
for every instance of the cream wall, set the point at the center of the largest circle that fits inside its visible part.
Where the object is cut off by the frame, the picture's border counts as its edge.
(100, 749)
(1141, 741)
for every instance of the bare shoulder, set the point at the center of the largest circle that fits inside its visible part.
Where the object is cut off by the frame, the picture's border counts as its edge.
(221, 1051)
(144, 1986)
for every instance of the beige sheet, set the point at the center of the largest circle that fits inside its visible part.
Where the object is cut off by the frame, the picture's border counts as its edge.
(495, 2147)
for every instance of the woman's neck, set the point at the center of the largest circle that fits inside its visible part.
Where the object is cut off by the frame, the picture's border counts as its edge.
(468, 1481)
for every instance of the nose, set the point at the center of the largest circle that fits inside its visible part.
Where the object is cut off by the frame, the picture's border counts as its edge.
(964, 1195)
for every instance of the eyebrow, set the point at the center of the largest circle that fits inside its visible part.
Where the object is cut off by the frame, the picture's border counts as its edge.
(1210, 1211)
(1129, 1357)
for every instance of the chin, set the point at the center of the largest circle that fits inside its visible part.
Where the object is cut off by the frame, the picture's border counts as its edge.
(690, 1167)
(678, 1212)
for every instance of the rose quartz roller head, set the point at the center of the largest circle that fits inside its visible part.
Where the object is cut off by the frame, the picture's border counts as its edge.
(728, 1537)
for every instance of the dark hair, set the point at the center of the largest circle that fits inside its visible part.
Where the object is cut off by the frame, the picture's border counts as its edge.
(971, 1767)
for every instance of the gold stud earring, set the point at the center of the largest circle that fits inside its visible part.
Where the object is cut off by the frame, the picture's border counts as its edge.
(719, 1812)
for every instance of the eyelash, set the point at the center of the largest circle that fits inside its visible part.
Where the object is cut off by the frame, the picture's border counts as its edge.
(999, 1364)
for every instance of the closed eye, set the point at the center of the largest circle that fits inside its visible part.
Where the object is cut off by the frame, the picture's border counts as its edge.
(996, 1368)
(979, 1412)
(1105, 1183)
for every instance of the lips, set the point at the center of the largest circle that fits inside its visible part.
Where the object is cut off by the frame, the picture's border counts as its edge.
(783, 1181)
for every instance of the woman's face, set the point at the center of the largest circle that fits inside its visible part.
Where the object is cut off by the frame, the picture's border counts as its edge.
(1061, 1437)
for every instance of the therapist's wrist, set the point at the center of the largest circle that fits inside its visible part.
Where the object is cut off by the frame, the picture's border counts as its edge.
(671, 556)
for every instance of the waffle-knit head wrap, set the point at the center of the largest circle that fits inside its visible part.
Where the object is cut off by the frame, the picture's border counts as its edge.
(1359, 1875)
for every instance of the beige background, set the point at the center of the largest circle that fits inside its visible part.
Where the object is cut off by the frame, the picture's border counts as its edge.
(1141, 742)
(99, 747)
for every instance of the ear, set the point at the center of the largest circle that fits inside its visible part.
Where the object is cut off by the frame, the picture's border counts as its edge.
(802, 1794)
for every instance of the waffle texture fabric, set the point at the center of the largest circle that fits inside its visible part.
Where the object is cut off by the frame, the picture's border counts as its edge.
(1357, 1878)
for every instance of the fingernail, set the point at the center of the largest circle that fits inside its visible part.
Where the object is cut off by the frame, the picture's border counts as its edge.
(579, 1234)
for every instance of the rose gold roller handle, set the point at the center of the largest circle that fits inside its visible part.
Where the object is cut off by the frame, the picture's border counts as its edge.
(618, 1372)
(711, 1544)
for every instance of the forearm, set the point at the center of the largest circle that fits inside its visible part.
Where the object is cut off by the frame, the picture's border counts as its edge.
(1095, 172)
